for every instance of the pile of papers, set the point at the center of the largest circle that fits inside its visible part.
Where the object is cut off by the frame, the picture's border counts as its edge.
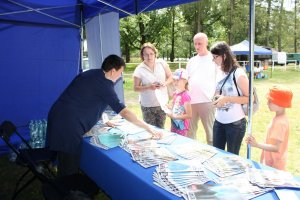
(149, 157)
(189, 179)
(226, 166)
(194, 150)
(232, 188)
(129, 128)
(176, 176)
(108, 138)
(242, 184)
(200, 173)
(213, 191)
(272, 178)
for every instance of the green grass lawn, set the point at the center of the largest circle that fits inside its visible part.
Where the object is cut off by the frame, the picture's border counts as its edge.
(9, 172)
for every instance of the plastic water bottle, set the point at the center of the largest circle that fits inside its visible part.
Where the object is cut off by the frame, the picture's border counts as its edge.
(38, 129)
(32, 131)
(39, 138)
(44, 132)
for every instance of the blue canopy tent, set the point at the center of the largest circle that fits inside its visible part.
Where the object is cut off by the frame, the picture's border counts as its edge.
(40, 49)
(242, 48)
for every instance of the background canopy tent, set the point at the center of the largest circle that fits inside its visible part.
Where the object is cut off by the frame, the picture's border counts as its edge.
(242, 48)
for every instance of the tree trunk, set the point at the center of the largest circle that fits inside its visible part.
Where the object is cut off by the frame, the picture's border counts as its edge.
(295, 27)
(172, 54)
(198, 27)
(231, 13)
(142, 31)
(280, 26)
(268, 23)
(127, 52)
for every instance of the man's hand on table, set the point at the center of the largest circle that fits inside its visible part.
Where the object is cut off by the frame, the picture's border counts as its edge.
(156, 135)
(111, 124)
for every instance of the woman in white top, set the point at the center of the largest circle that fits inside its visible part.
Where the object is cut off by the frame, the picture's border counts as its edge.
(230, 123)
(150, 75)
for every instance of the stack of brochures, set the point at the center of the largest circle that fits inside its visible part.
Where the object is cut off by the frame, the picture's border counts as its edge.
(194, 150)
(245, 188)
(129, 128)
(232, 188)
(189, 179)
(272, 178)
(175, 176)
(149, 157)
(108, 138)
(213, 192)
(226, 165)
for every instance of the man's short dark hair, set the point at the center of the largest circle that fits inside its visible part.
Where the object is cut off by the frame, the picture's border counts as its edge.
(112, 62)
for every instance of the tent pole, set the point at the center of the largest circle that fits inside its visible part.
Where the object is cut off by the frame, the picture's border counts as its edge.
(31, 10)
(148, 6)
(110, 5)
(251, 58)
(43, 13)
(81, 39)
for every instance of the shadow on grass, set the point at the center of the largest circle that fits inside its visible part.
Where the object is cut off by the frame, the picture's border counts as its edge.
(10, 173)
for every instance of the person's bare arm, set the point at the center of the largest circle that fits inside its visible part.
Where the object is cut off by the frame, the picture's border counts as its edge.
(186, 115)
(274, 146)
(131, 117)
(169, 77)
(138, 87)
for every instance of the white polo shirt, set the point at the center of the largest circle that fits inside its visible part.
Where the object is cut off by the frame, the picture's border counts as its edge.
(202, 78)
(148, 98)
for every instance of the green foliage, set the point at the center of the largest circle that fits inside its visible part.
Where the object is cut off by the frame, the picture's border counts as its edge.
(221, 20)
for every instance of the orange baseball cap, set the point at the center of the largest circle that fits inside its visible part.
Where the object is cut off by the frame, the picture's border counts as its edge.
(280, 96)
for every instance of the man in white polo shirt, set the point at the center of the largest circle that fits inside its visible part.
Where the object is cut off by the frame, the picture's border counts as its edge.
(202, 84)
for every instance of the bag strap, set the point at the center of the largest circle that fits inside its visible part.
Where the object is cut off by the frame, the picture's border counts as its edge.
(235, 83)
(236, 86)
(226, 80)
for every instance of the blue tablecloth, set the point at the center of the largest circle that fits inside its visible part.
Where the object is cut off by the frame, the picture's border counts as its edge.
(118, 176)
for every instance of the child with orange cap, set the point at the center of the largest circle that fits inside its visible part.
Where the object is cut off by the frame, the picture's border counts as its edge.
(275, 148)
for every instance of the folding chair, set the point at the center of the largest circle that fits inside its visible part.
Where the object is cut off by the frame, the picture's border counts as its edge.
(42, 157)
(36, 161)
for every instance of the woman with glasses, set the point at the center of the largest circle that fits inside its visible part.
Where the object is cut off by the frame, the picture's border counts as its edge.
(152, 74)
(230, 123)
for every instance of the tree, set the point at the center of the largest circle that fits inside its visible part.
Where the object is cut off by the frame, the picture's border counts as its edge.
(172, 29)
(129, 33)
(295, 26)
(280, 26)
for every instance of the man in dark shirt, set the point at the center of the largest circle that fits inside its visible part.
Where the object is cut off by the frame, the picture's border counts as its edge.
(79, 108)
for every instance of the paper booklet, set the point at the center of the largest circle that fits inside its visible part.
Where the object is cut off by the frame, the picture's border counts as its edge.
(272, 178)
(194, 150)
(226, 165)
(149, 157)
(163, 99)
